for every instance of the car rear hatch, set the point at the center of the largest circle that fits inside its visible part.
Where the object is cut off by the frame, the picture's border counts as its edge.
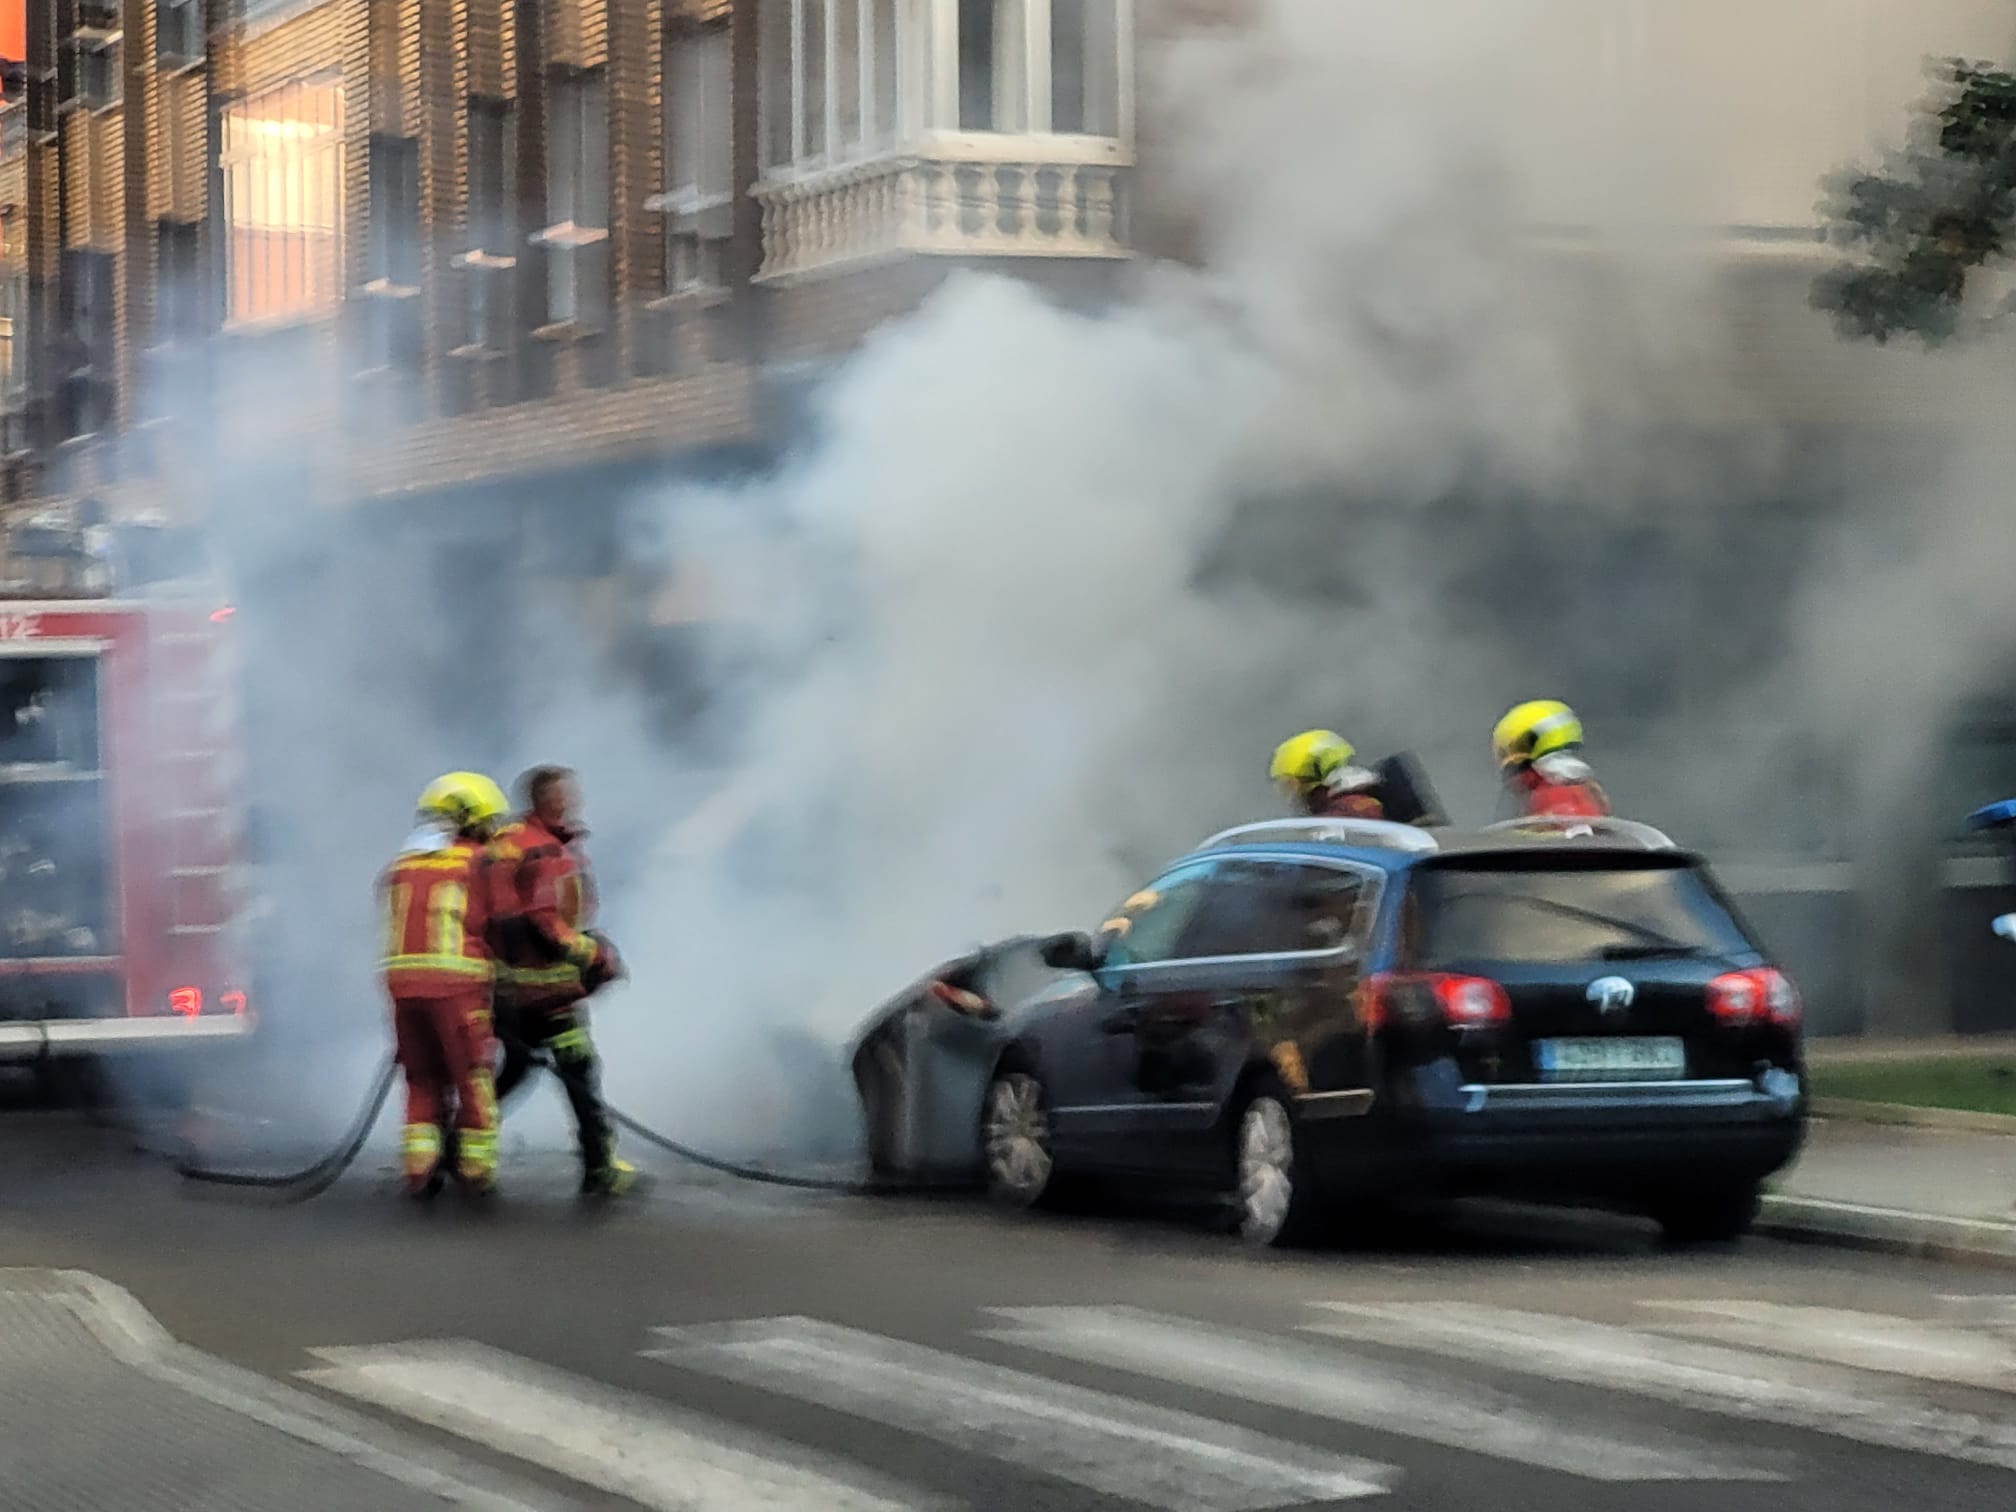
(1610, 967)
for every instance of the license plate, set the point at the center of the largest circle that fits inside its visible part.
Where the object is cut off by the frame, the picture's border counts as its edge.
(1610, 1059)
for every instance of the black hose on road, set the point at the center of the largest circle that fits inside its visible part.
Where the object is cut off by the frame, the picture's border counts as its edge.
(313, 1180)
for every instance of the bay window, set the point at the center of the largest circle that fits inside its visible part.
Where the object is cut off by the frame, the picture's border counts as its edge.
(845, 80)
(282, 164)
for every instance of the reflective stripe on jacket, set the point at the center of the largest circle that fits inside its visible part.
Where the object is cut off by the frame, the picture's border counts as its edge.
(434, 911)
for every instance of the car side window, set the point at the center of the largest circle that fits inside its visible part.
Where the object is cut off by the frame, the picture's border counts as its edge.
(1261, 907)
(1237, 915)
(1319, 907)
(1148, 925)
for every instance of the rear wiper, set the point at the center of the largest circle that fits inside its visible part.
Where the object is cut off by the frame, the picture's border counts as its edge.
(1648, 951)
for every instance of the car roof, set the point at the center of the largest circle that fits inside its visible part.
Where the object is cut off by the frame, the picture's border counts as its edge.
(1396, 847)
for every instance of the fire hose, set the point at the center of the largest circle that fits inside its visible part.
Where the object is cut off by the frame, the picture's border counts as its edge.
(313, 1180)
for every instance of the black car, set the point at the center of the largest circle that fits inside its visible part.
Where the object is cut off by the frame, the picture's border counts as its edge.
(1308, 1015)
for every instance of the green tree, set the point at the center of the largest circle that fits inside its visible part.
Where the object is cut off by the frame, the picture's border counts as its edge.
(1939, 209)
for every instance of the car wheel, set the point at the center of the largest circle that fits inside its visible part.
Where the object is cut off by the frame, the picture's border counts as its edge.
(1276, 1200)
(1708, 1217)
(1015, 1136)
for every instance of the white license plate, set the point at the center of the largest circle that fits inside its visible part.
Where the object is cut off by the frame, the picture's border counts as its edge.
(1624, 1059)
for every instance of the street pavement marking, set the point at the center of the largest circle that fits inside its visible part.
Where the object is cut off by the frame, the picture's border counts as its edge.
(1704, 1377)
(1326, 1382)
(1868, 1341)
(1163, 1458)
(595, 1434)
(133, 1336)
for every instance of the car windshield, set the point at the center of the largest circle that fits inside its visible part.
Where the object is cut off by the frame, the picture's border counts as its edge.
(1539, 914)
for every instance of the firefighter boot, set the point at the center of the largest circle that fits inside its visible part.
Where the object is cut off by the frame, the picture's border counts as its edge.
(611, 1176)
(421, 1161)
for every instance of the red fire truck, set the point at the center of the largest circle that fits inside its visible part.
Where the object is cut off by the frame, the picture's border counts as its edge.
(123, 893)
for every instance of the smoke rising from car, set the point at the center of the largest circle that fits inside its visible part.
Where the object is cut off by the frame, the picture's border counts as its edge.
(1021, 619)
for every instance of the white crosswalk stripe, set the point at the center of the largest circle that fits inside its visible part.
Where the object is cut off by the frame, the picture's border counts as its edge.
(1871, 1377)
(1706, 1377)
(1156, 1456)
(1327, 1382)
(596, 1435)
(1842, 1336)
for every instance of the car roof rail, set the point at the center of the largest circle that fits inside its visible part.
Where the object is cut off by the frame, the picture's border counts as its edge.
(1373, 834)
(1578, 827)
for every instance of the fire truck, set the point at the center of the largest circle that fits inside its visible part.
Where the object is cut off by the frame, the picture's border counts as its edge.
(123, 884)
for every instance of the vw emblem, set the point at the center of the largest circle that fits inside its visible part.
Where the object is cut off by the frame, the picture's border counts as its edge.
(1611, 995)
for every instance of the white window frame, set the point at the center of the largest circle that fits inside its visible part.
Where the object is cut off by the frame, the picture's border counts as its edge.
(580, 249)
(926, 84)
(314, 173)
(698, 206)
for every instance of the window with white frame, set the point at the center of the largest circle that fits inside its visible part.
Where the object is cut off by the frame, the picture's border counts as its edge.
(847, 79)
(490, 263)
(281, 159)
(576, 237)
(699, 199)
(831, 79)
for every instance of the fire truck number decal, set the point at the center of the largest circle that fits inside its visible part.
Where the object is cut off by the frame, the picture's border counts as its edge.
(15, 627)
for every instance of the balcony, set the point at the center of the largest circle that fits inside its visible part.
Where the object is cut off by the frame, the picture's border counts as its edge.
(964, 128)
(1012, 197)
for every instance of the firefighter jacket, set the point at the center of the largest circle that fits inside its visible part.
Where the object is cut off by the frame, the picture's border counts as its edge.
(1583, 798)
(435, 919)
(1329, 803)
(542, 902)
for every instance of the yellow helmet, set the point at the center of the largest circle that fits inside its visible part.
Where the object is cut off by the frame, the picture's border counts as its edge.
(1302, 761)
(468, 800)
(1533, 730)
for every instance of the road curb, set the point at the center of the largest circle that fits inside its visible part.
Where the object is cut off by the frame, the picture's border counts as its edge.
(1850, 1110)
(1925, 1236)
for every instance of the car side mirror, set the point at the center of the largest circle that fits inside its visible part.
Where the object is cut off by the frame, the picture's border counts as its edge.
(1071, 952)
(2006, 926)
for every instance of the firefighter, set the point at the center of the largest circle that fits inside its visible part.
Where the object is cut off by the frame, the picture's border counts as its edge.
(550, 962)
(1539, 750)
(1317, 771)
(438, 973)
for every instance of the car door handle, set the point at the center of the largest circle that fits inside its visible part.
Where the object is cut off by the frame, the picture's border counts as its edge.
(1121, 1022)
(1227, 1004)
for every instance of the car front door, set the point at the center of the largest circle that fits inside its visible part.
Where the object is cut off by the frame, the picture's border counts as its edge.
(1088, 1060)
(1265, 971)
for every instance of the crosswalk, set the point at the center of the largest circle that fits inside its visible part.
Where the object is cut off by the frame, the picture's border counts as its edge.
(1314, 1413)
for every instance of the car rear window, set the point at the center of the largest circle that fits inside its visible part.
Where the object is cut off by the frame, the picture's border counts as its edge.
(1467, 913)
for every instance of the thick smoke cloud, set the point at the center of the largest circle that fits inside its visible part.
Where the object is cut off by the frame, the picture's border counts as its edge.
(1022, 615)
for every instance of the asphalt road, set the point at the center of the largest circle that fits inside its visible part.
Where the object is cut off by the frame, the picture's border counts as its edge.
(714, 1345)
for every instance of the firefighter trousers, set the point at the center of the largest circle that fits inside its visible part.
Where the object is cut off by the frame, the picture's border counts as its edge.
(445, 1049)
(562, 1033)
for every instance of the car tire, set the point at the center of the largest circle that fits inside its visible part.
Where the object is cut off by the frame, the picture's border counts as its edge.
(1274, 1197)
(1715, 1216)
(1015, 1139)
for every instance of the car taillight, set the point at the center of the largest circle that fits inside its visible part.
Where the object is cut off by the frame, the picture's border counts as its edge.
(1417, 997)
(1763, 996)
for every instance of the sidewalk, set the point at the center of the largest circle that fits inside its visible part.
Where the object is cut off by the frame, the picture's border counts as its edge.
(1941, 1193)
(104, 1410)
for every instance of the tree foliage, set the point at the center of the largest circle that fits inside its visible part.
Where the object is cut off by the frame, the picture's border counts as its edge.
(1939, 210)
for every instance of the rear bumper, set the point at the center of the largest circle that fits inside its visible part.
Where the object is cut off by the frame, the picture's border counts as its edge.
(1439, 1132)
(43, 1039)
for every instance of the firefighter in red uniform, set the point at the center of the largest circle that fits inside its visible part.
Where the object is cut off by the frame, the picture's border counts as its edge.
(550, 962)
(1539, 750)
(1317, 771)
(438, 973)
